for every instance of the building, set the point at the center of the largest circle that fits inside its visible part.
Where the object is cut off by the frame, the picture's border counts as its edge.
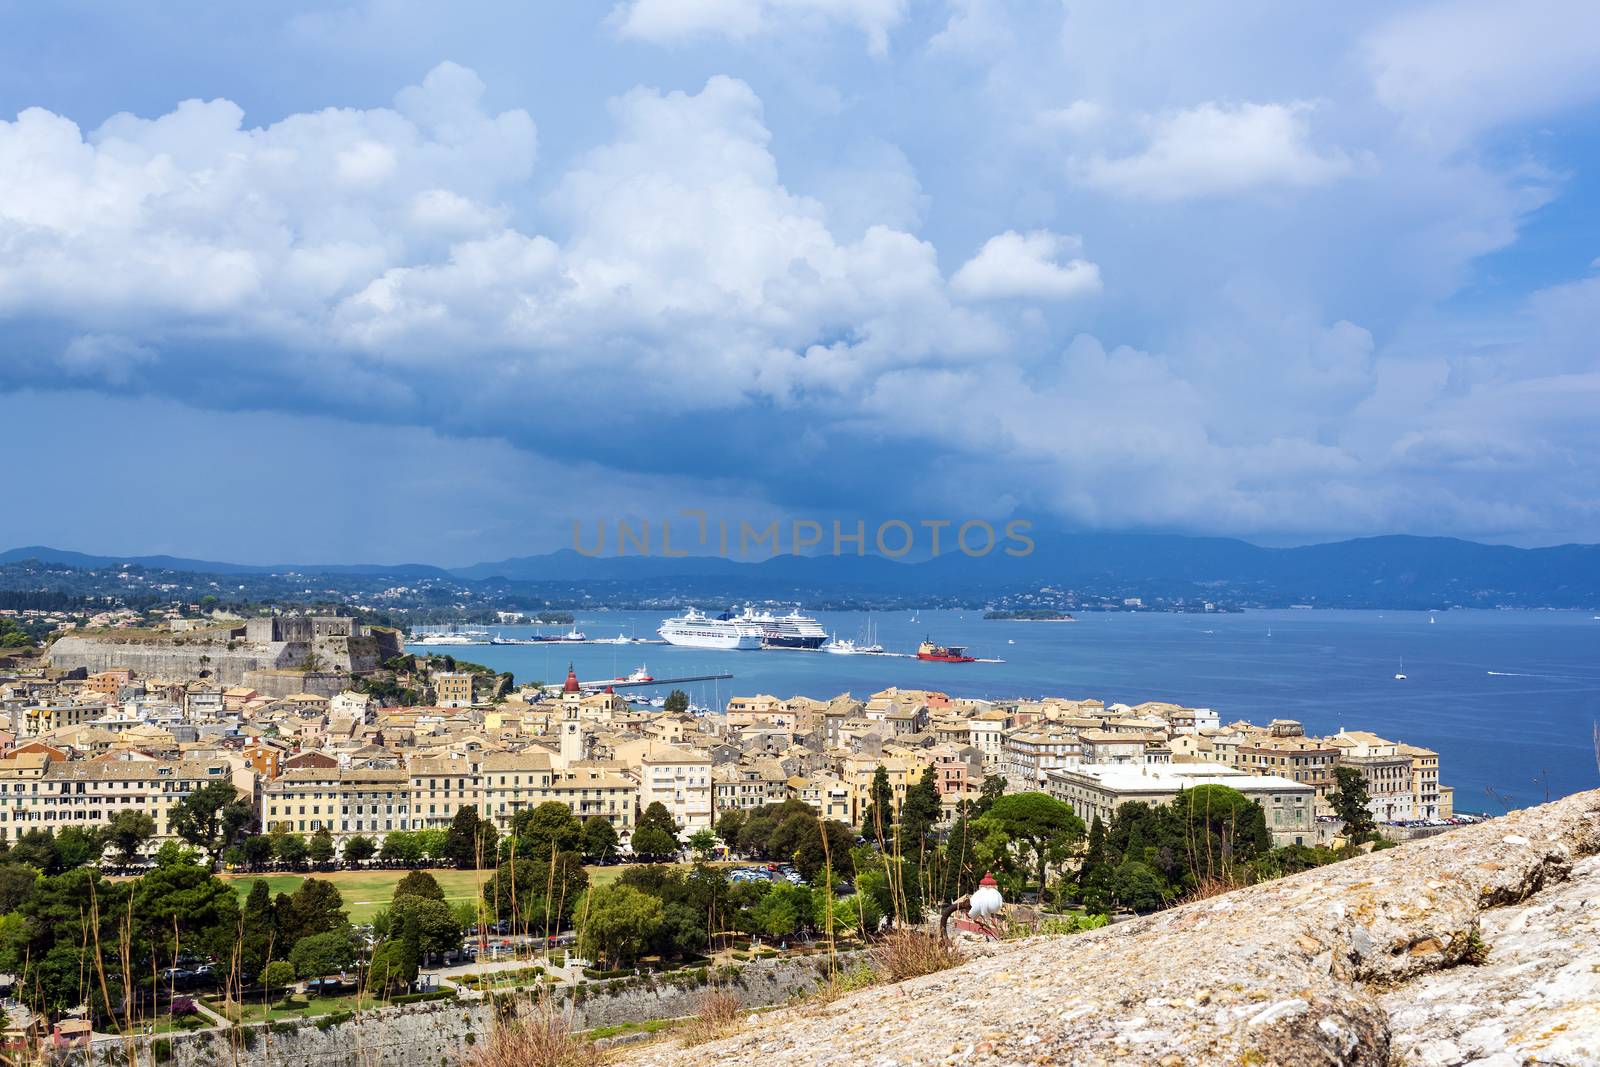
(1097, 791)
(1300, 759)
(1387, 771)
(1031, 753)
(453, 689)
(40, 792)
(1426, 794)
(680, 780)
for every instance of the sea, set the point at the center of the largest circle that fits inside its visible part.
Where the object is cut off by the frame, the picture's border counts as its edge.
(1509, 699)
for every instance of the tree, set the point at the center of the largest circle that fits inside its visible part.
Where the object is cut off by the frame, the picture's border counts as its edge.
(1042, 826)
(812, 858)
(16, 883)
(729, 824)
(877, 817)
(677, 702)
(212, 817)
(527, 892)
(703, 841)
(549, 828)
(418, 884)
(783, 910)
(315, 908)
(319, 849)
(359, 849)
(920, 812)
(127, 831)
(394, 967)
(258, 932)
(37, 849)
(256, 851)
(289, 849)
(658, 817)
(599, 839)
(1136, 887)
(51, 941)
(1352, 803)
(619, 921)
(183, 907)
(402, 846)
(471, 840)
(77, 846)
(317, 955)
(279, 974)
(436, 927)
(654, 844)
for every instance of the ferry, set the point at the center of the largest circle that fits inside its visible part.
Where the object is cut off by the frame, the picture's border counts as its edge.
(693, 629)
(943, 653)
(458, 637)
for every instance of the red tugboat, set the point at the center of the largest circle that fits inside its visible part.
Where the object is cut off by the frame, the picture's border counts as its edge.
(943, 653)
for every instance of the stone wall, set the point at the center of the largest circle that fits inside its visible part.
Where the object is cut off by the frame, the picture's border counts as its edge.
(440, 1032)
(1478, 946)
(222, 656)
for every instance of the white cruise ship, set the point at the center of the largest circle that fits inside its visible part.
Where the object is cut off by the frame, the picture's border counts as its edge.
(694, 630)
(793, 630)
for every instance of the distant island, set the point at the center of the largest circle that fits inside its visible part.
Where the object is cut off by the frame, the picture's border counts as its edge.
(1030, 615)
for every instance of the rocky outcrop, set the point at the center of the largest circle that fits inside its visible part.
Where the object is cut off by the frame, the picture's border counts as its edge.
(1479, 946)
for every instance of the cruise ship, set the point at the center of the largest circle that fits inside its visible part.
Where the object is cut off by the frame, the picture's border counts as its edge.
(694, 630)
(793, 630)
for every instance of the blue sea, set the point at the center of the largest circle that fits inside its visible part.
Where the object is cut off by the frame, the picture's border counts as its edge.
(1509, 699)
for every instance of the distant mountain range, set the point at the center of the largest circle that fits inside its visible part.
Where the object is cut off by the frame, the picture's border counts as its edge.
(1394, 571)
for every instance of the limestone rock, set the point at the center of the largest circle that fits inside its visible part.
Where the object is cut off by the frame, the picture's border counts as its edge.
(1369, 961)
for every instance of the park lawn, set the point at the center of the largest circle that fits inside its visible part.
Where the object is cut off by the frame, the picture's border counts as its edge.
(368, 892)
(303, 1008)
(365, 892)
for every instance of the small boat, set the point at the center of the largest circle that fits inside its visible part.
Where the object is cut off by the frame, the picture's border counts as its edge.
(1400, 675)
(1009, 641)
(840, 646)
(639, 674)
(943, 653)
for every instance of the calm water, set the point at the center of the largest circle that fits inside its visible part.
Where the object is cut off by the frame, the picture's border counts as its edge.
(1509, 699)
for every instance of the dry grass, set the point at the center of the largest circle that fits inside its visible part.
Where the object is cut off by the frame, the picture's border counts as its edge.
(718, 1017)
(1214, 886)
(537, 1037)
(907, 953)
(841, 982)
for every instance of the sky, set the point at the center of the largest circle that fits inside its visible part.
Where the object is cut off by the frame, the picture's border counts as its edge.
(390, 280)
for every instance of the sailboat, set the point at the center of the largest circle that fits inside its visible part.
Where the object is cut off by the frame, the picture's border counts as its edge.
(1400, 675)
(870, 646)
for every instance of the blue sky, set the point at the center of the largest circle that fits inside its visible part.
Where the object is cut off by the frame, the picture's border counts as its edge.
(388, 281)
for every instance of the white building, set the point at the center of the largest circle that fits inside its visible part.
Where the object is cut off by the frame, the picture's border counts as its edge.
(1099, 790)
(680, 778)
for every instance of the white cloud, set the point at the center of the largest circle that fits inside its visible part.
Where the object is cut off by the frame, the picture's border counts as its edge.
(672, 21)
(1014, 265)
(1457, 68)
(1216, 149)
(193, 214)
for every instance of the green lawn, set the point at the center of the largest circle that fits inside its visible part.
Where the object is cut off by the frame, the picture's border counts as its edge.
(365, 892)
(302, 1007)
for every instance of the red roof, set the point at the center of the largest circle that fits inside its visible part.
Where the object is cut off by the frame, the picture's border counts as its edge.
(571, 685)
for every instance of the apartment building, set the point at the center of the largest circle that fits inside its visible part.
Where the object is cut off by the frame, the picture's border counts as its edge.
(453, 689)
(748, 785)
(38, 791)
(1386, 770)
(829, 797)
(1097, 791)
(342, 800)
(680, 779)
(1426, 794)
(1032, 752)
(1300, 759)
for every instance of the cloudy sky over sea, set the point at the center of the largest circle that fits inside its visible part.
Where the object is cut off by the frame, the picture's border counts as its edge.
(430, 280)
